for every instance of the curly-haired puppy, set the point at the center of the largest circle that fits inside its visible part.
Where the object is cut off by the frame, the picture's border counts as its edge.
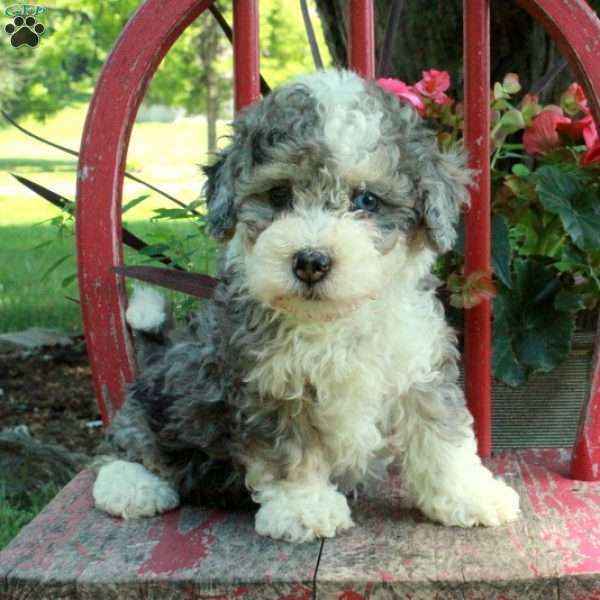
(324, 355)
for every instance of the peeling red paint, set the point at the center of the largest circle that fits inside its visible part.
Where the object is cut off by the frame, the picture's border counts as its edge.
(34, 549)
(571, 510)
(299, 592)
(176, 550)
(350, 595)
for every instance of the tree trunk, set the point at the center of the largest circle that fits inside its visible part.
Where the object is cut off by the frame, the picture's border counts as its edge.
(430, 36)
(212, 111)
(209, 43)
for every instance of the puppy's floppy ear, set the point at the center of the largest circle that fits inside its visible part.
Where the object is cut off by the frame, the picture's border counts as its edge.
(220, 196)
(443, 190)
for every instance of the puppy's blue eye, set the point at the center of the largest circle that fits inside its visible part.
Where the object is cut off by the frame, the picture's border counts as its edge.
(365, 201)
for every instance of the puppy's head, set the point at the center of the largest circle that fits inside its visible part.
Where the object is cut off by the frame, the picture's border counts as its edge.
(332, 189)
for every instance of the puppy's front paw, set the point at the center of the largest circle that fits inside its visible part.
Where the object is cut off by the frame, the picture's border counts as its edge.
(302, 518)
(491, 504)
(128, 490)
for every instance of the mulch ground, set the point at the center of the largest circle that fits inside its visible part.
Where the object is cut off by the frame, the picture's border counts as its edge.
(51, 393)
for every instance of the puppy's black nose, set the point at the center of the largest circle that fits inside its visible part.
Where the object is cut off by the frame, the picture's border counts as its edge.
(310, 266)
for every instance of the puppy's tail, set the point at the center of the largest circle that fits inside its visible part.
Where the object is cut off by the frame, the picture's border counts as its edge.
(149, 316)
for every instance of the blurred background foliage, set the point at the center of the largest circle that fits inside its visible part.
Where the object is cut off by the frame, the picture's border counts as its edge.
(79, 35)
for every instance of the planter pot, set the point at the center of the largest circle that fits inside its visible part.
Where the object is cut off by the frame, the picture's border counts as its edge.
(544, 413)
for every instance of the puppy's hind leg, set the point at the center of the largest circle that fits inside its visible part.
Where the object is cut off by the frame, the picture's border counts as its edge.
(149, 316)
(127, 489)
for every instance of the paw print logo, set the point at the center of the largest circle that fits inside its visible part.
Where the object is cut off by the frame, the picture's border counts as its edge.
(24, 31)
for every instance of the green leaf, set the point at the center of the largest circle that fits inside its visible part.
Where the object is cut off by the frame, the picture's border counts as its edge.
(499, 92)
(525, 234)
(171, 213)
(571, 260)
(569, 300)
(134, 202)
(43, 244)
(501, 250)
(505, 365)
(520, 170)
(511, 121)
(55, 265)
(565, 194)
(154, 249)
(530, 334)
(68, 280)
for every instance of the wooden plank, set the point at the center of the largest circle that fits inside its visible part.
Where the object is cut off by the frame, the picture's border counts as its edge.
(209, 553)
(569, 517)
(34, 565)
(72, 550)
(553, 551)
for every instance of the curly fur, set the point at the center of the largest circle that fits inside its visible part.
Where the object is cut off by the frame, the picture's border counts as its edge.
(288, 395)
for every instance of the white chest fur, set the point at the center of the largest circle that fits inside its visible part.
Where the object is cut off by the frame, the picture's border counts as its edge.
(351, 374)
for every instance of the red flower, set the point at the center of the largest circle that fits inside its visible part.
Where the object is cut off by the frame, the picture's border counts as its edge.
(585, 128)
(543, 136)
(590, 133)
(592, 155)
(433, 85)
(404, 92)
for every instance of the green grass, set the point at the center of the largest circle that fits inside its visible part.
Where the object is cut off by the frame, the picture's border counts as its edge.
(14, 517)
(165, 154)
(31, 296)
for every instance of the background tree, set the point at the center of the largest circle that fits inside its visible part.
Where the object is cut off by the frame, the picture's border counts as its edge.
(195, 74)
(430, 36)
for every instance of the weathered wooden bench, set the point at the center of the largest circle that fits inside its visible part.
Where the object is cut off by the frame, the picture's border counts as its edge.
(73, 551)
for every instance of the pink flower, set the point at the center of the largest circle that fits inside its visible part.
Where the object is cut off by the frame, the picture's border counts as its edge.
(592, 155)
(590, 133)
(404, 92)
(585, 128)
(433, 85)
(543, 136)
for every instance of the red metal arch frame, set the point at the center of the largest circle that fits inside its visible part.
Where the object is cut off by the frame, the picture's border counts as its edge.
(136, 56)
(120, 89)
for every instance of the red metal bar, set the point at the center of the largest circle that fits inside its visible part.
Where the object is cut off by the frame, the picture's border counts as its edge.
(246, 57)
(361, 38)
(145, 40)
(575, 28)
(478, 330)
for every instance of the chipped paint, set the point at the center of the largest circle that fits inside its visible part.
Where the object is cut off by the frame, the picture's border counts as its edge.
(84, 172)
(393, 552)
(176, 550)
